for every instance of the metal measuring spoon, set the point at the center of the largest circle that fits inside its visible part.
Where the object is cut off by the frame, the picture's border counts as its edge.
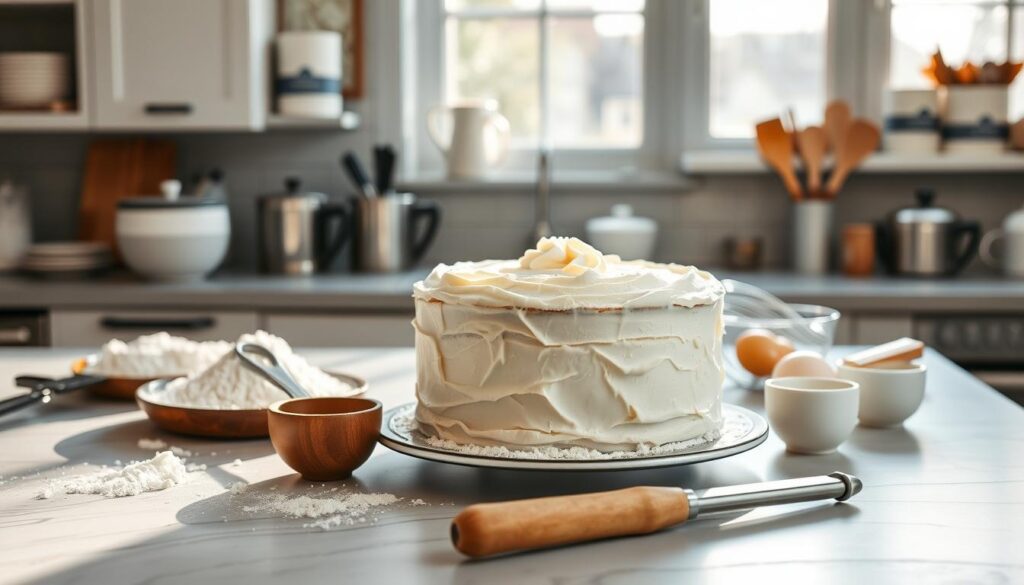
(272, 372)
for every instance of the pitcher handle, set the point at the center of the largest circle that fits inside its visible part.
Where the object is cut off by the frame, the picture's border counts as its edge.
(503, 129)
(432, 212)
(328, 250)
(972, 230)
(985, 249)
(434, 129)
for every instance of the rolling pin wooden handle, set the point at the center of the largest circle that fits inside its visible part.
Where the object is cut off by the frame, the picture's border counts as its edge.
(487, 529)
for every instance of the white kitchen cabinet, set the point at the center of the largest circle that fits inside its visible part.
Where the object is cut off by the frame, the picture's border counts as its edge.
(341, 330)
(181, 64)
(69, 328)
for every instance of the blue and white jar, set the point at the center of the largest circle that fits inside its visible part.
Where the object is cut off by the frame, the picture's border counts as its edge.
(975, 118)
(309, 73)
(912, 123)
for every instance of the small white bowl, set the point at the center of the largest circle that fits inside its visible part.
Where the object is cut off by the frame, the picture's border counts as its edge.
(812, 415)
(889, 393)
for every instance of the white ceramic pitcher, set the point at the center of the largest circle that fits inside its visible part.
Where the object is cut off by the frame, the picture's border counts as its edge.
(465, 145)
(1011, 260)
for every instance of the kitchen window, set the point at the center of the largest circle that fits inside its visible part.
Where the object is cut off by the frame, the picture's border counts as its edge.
(764, 57)
(975, 30)
(568, 72)
(633, 83)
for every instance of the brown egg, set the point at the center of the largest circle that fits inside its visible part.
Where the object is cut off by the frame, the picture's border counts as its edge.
(759, 350)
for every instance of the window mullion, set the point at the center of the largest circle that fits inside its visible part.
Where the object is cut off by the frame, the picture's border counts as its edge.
(544, 137)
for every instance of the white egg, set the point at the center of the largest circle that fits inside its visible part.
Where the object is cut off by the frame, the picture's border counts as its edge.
(804, 363)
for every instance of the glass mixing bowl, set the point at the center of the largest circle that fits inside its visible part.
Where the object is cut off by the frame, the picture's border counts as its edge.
(814, 329)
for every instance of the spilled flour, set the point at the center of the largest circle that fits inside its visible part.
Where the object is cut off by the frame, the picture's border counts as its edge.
(327, 510)
(159, 473)
(152, 444)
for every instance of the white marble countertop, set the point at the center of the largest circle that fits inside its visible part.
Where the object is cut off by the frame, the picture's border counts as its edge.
(943, 502)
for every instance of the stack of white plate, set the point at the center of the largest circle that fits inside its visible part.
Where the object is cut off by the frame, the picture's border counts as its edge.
(67, 258)
(33, 80)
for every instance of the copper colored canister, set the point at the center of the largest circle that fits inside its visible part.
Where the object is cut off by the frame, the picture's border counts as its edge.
(858, 249)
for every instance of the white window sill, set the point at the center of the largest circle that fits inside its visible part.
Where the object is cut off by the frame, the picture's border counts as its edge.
(589, 181)
(749, 162)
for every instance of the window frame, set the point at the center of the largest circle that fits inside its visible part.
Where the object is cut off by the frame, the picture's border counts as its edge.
(431, 77)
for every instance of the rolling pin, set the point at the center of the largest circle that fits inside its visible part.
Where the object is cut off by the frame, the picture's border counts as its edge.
(488, 529)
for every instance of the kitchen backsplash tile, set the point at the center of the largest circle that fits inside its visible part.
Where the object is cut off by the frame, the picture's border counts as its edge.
(693, 224)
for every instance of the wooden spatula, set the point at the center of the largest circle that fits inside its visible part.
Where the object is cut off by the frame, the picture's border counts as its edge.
(837, 122)
(776, 147)
(812, 144)
(861, 140)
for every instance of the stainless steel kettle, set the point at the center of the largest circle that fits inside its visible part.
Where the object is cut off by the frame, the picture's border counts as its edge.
(295, 231)
(926, 240)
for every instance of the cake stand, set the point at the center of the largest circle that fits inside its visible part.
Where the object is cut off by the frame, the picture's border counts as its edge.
(742, 430)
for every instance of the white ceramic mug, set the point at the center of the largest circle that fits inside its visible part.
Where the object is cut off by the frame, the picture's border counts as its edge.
(812, 415)
(889, 392)
(465, 145)
(1012, 255)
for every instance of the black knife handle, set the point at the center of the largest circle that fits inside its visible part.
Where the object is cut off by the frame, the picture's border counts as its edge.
(37, 394)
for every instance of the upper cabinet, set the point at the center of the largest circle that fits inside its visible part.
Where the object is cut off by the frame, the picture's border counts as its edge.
(181, 65)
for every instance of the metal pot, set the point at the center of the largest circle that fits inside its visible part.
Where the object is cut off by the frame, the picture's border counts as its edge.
(926, 240)
(386, 227)
(295, 231)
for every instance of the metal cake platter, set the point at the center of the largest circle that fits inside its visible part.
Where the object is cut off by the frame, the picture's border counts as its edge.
(742, 430)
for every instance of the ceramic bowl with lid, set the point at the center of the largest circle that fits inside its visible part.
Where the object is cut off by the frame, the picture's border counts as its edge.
(622, 233)
(173, 237)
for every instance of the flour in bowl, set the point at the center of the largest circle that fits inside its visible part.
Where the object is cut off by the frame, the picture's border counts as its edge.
(159, 355)
(229, 385)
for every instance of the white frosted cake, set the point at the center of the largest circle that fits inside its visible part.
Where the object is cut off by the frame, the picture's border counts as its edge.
(568, 347)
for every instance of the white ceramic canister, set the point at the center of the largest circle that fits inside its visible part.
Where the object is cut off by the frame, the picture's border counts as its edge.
(974, 118)
(1011, 258)
(912, 121)
(624, 234)
(309, 73)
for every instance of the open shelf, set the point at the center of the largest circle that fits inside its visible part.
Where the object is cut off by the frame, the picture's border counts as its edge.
(749, 162)
(347, 121)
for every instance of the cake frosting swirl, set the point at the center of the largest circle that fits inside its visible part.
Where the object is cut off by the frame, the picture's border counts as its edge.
(568, 346)
(563, 274)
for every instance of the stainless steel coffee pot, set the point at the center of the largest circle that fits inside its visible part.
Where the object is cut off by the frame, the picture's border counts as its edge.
(388, 235)
(296, 233)
(926, 240)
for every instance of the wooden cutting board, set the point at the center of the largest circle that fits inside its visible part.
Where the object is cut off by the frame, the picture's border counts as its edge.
(115, 169)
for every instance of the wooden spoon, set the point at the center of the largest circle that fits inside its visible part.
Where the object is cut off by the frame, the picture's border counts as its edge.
(861, 140)
(812, 144)
(837, 122)
(776, 148)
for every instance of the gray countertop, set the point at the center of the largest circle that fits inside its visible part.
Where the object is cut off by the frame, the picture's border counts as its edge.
(943, 502)
(391, 292)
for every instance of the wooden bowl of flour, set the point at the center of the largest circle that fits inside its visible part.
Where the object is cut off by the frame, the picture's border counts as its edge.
(213, 423)
(116, 387)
